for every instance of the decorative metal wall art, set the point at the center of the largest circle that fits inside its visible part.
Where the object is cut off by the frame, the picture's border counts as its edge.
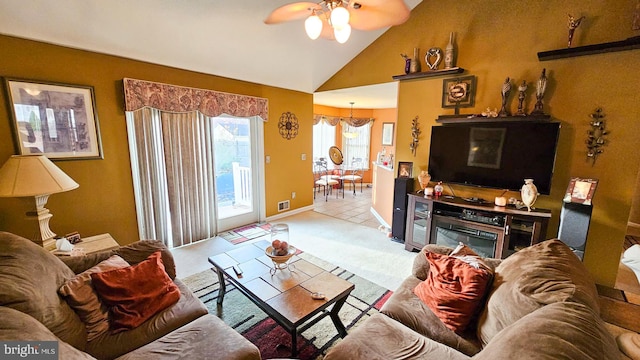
(415, 135)
(595, 137)
(288, 125)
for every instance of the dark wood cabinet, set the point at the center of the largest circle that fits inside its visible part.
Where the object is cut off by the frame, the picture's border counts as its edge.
(492, 231)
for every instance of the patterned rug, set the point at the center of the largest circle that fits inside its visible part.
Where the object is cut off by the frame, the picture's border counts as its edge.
(273, 341)
(244, 233)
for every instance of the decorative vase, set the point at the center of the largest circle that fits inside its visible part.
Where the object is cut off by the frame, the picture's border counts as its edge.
(424, 179)
(449, 54)
(415, 61)
(438, 189)
(529, 193)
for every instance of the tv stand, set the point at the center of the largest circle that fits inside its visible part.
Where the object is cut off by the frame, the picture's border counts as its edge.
(492, 231)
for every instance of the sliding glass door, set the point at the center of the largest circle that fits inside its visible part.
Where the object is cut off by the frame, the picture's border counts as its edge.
(236, 181)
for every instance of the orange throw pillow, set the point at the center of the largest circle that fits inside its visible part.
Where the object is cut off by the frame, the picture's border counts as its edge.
(453, 290)
(136, 293)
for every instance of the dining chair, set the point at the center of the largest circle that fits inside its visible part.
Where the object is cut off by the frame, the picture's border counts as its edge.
(323, 179)
(353, 174)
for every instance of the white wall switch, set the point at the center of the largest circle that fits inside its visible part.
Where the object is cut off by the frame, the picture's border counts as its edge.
(304, 157)
(267, 159)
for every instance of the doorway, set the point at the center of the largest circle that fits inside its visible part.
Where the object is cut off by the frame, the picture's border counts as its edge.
(236, 154)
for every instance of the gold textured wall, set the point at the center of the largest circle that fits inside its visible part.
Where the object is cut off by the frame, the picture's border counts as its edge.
(104, 201)
(498, 39)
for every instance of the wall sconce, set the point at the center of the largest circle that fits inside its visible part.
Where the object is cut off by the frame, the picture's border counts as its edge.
(595, 137)
(415, 134)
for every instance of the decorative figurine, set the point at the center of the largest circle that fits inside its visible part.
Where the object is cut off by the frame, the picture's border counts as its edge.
(490, 113)
(572, 24)
(438, 189)
(506, 90)
(433, 52)
(522, 89)
(541, 86)
(595, 136)
(415, 134)
(529, 193)
(449, 54)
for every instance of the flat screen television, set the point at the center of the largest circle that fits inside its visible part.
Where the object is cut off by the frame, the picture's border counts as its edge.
(496, 155)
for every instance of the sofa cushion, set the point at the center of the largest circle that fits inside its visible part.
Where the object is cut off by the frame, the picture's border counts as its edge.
(30, 277)
(421, 265)
(562, 330)
(405, 307)
(18, 326)
(80, 294)
(187, 309)
(135, 293)
(536, 276)
(207, 337)
(454, 289)
(382, 338)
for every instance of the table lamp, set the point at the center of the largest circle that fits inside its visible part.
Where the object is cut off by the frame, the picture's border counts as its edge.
(37, 176)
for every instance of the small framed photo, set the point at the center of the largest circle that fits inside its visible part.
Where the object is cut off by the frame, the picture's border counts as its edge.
(580, 191)
(458, 92)
(55, 120)
(405, 169)
(387, 134)
(73, 237)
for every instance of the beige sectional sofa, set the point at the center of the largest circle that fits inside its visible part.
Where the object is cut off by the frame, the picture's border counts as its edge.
(542, 304)
(31, 308)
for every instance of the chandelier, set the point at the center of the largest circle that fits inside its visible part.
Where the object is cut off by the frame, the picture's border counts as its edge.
(337, 16)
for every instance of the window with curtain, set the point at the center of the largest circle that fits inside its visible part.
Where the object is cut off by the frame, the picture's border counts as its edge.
(324, 137)
(356, 143)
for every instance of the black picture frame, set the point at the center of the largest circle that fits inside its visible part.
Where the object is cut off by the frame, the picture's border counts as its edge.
(458, 92)
(405, 169)
(53, 119)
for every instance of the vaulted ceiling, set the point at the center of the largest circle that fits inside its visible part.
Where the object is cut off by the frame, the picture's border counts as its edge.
(224, 38)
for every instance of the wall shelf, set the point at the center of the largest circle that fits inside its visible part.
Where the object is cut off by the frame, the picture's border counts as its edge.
(432, 73)
(628, 44)
(452, 119)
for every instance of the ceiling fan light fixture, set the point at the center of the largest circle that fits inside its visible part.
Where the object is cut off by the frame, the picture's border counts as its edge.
(342, 34)
(339, 17)
(313, 26)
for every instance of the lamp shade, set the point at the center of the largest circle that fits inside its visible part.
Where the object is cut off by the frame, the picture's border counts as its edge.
(342, 34)
(33, 175)
(313, 26)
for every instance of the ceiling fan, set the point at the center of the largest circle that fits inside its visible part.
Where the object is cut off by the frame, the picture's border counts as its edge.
(333, 19)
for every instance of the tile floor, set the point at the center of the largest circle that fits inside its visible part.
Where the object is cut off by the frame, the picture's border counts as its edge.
(353, 208)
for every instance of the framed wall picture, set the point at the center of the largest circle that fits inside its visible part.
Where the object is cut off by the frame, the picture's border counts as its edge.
(405, 169)
(55, 120)
(458, 92)
(580, 190)
(387, 134)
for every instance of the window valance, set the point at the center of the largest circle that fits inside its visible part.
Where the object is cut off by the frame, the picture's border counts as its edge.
(334, 120)
(166, 97)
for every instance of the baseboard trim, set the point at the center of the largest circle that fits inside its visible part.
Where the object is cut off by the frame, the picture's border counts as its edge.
(379, 218)
(289, 213)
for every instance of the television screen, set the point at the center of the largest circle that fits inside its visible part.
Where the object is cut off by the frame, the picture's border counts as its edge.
(496, 155)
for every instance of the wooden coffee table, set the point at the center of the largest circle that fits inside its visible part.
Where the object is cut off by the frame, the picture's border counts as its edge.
(285, 296)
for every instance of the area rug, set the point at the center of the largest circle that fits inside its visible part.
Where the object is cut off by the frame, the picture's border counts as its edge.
(245, 233)
(273, 341)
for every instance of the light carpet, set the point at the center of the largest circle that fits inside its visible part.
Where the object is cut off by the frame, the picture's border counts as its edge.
(245, 233)
(273, 341)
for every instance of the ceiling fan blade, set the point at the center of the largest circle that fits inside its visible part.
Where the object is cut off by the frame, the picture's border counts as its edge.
(377, 14)
(289, 12)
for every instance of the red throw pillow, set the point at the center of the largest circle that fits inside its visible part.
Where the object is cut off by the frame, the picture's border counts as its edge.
(134, 294)
(453, 290)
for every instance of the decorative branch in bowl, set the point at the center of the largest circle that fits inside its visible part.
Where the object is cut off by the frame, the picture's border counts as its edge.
(415, 134)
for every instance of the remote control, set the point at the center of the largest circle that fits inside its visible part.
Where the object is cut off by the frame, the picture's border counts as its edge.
(237, 270)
